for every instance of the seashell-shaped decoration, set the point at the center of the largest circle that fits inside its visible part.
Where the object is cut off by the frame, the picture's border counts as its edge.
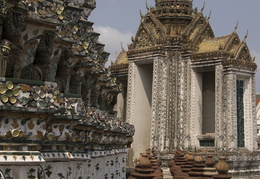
(4, 98)
(42, 94)
(37, 89)
(60, 17)
(2, 89)
(16, 92)
(36, 96)
(9, 85)
(13, 100)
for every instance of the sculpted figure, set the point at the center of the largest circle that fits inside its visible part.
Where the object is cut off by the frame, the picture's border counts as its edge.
(13, 25)
(42, 57)
(63, 70)
(4, 53)
(77, 78)
(12, 34)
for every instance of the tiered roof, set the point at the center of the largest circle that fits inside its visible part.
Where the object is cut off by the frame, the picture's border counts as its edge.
(175, 22)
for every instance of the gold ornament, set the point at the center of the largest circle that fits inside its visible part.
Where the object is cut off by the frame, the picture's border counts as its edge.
(9, 85)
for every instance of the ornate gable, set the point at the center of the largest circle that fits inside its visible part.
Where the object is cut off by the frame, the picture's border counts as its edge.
(146, 36)
(243, 53)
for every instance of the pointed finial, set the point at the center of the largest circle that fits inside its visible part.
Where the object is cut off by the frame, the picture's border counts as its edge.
(209, 15)
(141, 14)
(236, 27)
(203, 6)
(146, 3)
(245, 36)
(253, 59)
(122, 46)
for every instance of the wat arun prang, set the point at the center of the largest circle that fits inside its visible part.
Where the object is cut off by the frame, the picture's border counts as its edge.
(187, 89)
(56, 96)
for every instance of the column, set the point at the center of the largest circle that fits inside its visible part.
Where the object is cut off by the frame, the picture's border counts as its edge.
(218, 106)
(229, 124)
(131, 92)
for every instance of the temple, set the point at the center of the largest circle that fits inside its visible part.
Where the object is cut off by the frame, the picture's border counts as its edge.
(57, 117)
(186, 88)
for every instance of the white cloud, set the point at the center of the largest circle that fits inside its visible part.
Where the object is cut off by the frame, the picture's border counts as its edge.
(112, 38)
(257, 61)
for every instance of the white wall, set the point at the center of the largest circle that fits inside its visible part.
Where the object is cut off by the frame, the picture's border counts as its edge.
(142, 109)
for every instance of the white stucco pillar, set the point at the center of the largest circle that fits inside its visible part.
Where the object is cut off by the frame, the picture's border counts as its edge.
(131, 92)
(196, 108)
(249, 114)
(155, 102)
(218, 106)
(229, 125)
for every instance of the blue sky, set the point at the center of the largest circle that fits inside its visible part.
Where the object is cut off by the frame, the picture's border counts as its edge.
(118, 20)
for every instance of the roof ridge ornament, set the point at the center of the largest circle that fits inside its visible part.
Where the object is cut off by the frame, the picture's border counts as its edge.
(203, 7)
(209, 14)
(141, 14)
(246, 36)
(235, 29)
(121, 43)
(147, 7)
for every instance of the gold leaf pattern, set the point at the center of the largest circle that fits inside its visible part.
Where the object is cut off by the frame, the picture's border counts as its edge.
(61, 127)
(31, 125)
(39, 135)
(25, 87)
(15, 124)
(14, 157)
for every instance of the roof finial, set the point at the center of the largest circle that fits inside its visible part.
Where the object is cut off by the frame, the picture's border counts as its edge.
(236, 27)
(253, 59)
(146, 3)
(122, 46)
(209, 15)
(203, 6)
(245, 36)
(141, 13)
